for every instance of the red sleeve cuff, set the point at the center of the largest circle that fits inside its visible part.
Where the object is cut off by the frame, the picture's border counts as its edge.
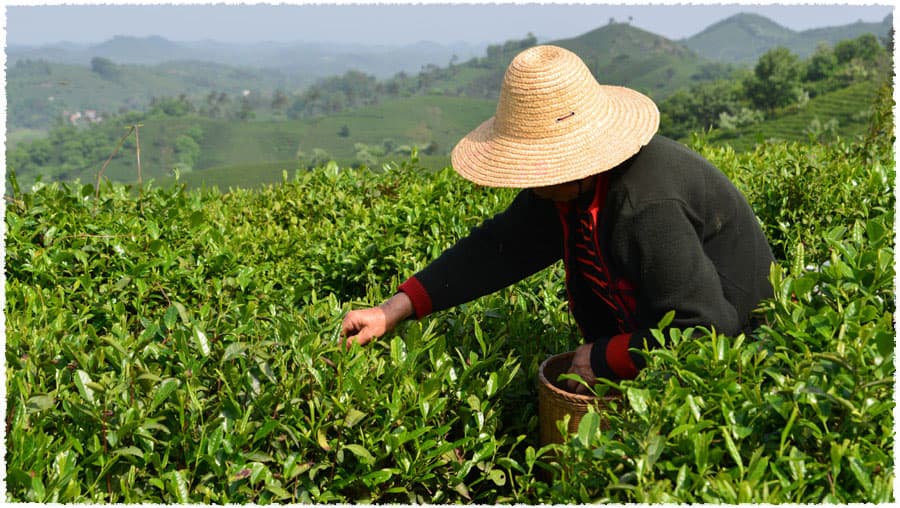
(420, 299)
(618, 358)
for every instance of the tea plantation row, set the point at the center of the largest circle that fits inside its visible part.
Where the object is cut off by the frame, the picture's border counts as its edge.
(181, 346)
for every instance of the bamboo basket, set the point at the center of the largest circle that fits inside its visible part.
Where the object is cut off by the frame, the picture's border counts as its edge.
(554, 401)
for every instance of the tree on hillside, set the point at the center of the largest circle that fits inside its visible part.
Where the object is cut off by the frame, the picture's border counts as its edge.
(215, 101)
(279, 101)
(700, 107)
(866, 48)
(775, 81)
(246, 112)
(821, 64)
(187, 150)
(170, 106)
(510, 48)
(104, 67)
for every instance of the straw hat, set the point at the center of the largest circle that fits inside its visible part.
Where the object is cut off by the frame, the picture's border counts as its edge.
(554, 124)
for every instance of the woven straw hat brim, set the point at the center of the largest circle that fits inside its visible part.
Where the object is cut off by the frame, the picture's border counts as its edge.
(554, 123)
(628, 122)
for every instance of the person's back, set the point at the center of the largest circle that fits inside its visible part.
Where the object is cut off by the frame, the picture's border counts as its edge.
(668, 187)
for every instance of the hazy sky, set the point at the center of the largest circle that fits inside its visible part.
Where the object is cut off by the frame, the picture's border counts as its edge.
(31, 22)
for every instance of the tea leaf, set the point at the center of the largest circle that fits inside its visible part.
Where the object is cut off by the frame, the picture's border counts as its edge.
(322, 440)
(638, 398)
(860, 472)
(38, 403)
(353, 417)
(362, 453)
(491, 386)
(732, 450)
(165, 388)
(82, 380)
(180, 487)
(378, 477)
(587, 427)
(202, 342)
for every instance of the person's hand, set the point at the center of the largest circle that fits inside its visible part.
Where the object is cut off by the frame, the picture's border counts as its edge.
(363, 325)
(581, 365)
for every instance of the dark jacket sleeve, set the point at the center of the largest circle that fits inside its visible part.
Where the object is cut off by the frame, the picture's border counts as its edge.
(512, 245)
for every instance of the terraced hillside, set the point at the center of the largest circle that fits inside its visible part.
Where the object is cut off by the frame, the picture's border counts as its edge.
(833, 114)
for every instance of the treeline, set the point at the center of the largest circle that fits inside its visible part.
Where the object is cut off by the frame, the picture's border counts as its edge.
(68, 150)
(779, 81)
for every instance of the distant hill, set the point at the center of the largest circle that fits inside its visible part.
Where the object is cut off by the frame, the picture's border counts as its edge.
(44, 82)
(617, 54)
(313, 60)
(742, 38)
(38, 92)
(623, 55)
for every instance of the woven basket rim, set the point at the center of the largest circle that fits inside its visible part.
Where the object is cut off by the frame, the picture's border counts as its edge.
(565, 394)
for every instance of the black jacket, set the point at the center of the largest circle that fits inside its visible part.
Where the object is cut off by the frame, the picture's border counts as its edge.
(672, 224)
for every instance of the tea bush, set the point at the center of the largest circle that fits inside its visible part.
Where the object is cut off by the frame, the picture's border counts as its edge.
(181, 346)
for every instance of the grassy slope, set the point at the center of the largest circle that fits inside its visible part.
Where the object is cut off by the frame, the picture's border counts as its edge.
(250, 153)
(850, 106)
(417, 120)
(740, 38)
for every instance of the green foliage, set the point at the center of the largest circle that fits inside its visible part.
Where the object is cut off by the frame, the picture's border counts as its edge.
(332, 95)
(850, 108)
(779, 88)
(105, 68)
(821, 64)
(784, 183)
(414, 122)
(171, 106)
(775, 81)
(176, 350)
(700, 107)
(175, 346)
(40, 92)
(800, 413)
(866, 48)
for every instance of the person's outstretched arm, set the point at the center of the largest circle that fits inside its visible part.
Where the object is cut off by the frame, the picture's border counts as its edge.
(512, 245)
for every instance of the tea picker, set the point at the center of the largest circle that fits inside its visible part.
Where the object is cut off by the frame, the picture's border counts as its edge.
(643, 225)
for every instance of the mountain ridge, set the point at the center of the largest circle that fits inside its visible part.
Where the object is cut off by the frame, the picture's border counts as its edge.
(744, 37)
(738, 39)
(315, 59)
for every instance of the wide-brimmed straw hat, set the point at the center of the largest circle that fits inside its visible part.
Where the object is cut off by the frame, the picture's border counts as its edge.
(554, 123)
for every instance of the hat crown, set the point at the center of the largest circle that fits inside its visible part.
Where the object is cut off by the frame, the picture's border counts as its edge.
(554, 123)
(547, 91)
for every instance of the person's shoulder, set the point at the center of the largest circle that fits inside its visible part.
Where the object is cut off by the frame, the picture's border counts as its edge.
(664, 169)
(665, 154)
